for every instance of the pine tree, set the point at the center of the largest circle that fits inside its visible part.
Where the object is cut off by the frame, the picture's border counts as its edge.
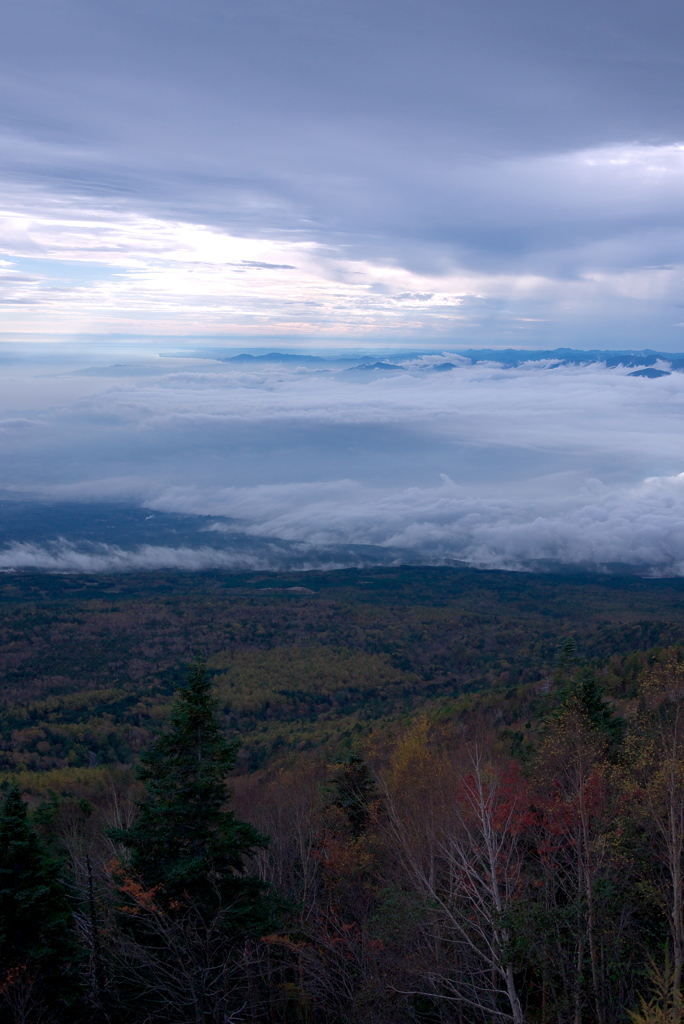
(594, 706)
(36, 925)
(566, 659)
(185, 842)
(579, 690)
(584, 694)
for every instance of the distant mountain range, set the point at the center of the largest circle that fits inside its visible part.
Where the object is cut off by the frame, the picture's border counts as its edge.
(612, 357)
(508, 357)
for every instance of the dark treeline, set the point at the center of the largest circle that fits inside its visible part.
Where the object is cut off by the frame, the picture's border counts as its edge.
(453, 869)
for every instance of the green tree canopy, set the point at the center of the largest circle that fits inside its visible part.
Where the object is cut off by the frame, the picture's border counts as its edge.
(584, 694)
(36, 922)
(185, 840)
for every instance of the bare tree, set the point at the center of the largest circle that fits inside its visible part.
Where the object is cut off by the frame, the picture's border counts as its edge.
(571, 787)
(468, 867)
(23, 1000)
(183, 968)
(654, 768)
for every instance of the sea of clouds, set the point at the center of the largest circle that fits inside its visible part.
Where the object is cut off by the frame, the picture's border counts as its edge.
(538, 465)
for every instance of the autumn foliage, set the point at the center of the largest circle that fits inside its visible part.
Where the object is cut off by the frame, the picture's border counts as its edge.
(493, 861)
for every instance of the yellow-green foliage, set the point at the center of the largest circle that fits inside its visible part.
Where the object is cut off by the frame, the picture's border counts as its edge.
(63, 728)
(300, 696)
(287, 677)
(90, 781)
(662, 1007)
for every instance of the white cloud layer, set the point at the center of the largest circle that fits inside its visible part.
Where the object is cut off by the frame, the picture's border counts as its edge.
(643, 527)
(497, 467)
(99, 558)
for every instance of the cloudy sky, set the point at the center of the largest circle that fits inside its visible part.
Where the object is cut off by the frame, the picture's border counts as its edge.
(186, 179)
(347, 172)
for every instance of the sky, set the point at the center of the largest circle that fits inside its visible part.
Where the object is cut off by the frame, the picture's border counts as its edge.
(182, 181)
(337, 172)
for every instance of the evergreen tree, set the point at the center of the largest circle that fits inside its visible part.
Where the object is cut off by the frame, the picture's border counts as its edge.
(593, 704)
(566, 659)
(584, 694)
(184, 840)
(580, 691)
(36, 924)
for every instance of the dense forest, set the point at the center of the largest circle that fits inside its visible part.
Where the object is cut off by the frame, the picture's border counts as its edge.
(396, 795)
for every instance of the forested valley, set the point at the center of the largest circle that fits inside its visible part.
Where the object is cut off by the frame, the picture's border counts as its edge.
(392, 796)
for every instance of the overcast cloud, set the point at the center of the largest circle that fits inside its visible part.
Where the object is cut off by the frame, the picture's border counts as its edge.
(436, 173)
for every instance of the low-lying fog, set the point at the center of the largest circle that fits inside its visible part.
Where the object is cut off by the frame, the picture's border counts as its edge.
(494, 465)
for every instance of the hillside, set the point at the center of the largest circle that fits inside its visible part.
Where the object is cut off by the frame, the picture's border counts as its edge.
(300, 660)
(438, 769)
